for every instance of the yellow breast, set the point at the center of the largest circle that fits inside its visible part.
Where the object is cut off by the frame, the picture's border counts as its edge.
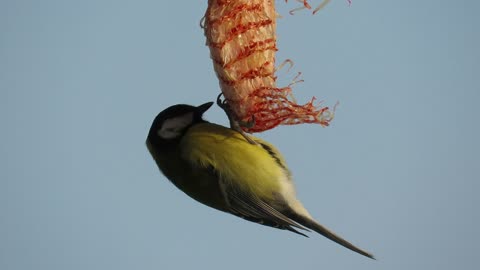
(259, 168)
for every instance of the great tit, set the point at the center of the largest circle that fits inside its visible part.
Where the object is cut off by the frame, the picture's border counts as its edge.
(218, 167)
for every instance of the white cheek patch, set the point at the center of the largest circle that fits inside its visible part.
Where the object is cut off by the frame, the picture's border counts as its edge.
(173, 127)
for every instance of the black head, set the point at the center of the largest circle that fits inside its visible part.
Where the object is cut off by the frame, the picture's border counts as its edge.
(173, 122)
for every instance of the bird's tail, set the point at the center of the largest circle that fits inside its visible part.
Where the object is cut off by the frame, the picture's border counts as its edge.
(312, 224)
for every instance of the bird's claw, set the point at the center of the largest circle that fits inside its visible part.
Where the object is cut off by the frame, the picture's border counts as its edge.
(222, 103)
(234, 124)
(248, 124)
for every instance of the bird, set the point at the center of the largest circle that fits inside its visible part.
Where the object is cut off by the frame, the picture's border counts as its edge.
(218, 167)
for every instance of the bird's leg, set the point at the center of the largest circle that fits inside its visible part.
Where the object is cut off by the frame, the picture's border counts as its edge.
(234, 124)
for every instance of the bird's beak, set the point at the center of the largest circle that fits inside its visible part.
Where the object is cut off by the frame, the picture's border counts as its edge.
(204, 107)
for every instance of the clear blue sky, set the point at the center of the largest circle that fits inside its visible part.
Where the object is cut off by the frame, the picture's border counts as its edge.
(397, 172)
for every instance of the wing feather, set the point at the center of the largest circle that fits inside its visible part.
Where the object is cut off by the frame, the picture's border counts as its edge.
(250, 206)
(248, 175)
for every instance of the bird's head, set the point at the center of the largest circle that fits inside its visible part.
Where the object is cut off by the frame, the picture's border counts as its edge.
(172, 123)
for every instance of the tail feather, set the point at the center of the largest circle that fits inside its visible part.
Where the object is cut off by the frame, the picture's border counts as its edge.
(312, 224)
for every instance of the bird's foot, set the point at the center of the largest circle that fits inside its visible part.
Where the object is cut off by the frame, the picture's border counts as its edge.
(234, 124)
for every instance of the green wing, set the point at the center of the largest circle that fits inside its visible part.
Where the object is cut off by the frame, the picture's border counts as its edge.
(248, 206)
(248, 175)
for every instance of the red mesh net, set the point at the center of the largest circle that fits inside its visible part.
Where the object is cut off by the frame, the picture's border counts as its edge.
(242, 41)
